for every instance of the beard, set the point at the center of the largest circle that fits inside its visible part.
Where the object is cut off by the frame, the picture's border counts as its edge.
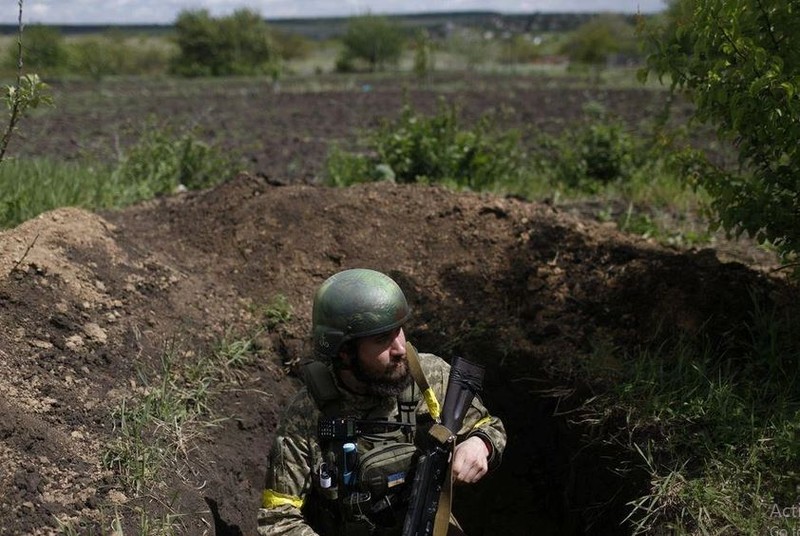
(391, 382)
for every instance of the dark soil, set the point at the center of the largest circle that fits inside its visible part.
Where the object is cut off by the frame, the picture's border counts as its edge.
(90, 303)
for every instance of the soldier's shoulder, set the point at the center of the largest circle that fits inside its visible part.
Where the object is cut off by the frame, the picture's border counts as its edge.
(300, 415)
(433, 364)
(301, 404)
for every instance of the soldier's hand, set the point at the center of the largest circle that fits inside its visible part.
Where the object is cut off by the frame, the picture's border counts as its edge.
(470, 460)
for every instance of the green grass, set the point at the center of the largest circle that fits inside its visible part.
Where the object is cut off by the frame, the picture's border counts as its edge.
(155, 431)
(32, 186)
(161, 162)
(717, 430)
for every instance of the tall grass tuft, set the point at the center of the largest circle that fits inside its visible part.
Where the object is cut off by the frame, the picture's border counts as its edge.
(29, 187)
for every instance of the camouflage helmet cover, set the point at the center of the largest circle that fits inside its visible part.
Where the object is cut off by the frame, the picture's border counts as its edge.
(355, 303)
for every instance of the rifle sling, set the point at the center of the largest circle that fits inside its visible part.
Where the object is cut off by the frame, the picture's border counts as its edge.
(442, 520)
(419, 378)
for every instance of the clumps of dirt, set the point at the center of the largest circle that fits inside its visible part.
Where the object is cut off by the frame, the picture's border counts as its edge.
(89, 300)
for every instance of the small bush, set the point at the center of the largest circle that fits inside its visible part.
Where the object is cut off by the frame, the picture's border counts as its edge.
(162, 162)
(595, 41)
(291, 46)
(423, 55)
(436, 149)
(594, 153)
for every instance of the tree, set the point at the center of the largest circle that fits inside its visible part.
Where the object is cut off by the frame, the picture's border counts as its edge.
(239, 44)
(593, 42)
(373, 39)
(742, 71)
(43, 49)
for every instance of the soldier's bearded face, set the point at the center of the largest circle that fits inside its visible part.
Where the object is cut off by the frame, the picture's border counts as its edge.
(381, 364)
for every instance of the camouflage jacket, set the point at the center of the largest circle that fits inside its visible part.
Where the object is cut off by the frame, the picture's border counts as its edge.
(296, 449)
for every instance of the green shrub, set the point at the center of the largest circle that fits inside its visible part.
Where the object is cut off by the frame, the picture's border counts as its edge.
(595, 41)
(343, 168)
(435, 149)
(162, 162)
(518, 49)
(594, 153)
(291, 46)
(423, 55)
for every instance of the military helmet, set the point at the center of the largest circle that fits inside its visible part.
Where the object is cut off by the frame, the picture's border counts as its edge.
(355, 303)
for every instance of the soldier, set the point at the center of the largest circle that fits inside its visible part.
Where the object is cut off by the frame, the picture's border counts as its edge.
(341, 460)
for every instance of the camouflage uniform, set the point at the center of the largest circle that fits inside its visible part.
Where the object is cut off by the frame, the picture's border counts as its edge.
(296, 450)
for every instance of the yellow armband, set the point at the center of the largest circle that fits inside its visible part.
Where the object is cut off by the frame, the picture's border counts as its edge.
(272, 499)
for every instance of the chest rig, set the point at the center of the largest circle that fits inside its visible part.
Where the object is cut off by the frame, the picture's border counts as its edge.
(358, 489)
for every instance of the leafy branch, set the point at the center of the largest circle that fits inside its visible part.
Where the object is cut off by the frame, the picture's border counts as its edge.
(26, 93)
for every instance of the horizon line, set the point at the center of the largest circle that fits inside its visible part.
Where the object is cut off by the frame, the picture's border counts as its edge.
(342, 16)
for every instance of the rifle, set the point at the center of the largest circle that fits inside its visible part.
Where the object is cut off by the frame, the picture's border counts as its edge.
(432, 478)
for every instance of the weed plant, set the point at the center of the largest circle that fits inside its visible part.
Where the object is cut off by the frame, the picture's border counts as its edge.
(716, 428)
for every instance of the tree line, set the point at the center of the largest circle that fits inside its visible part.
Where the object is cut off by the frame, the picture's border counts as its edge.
(243, 43)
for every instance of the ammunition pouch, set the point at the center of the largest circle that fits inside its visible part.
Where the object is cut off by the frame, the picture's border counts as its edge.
(384, 469)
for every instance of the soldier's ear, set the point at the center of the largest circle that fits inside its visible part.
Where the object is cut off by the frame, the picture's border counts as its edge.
(347, 353)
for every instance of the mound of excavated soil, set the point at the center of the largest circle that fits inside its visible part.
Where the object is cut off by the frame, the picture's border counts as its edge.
(87, 301)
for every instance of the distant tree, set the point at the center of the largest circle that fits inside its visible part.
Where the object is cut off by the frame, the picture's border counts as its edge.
(43, 49)
(594, 41)
(739, 61)
(375, 40)
(239, 44)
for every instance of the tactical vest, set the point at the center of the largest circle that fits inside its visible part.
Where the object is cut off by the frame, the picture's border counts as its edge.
(359, 489)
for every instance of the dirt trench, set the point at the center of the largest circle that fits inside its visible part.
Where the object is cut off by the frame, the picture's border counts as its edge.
(90, 301)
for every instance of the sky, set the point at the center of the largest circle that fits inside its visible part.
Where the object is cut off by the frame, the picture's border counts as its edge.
(165, 11)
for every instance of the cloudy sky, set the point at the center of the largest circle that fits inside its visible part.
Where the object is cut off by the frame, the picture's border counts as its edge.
(165, 11)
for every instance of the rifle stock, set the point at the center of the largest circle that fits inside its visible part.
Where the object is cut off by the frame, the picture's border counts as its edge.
(433, 466)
